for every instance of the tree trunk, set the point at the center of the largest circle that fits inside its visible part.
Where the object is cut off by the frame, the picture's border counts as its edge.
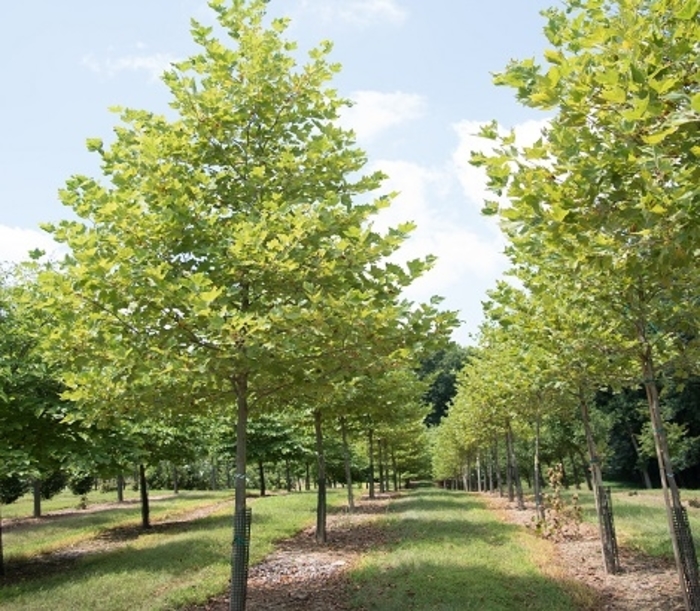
(239, 564)
(642, 462)
(120, 487)
(36, 494)
(607, 534)
(176, 489)
(575, 472)
(509, 469)
(287, 475)
(586, 470)
(687, 567)
(370, 434)
(380, 449)
(536, 468)
(321, 499)
(394, 471)
(385, 456)
(348, 466)
(143, 487)
(261, 472)
(214, 477)
(499, 480)
(479, 486)
(516, 471)
(307, 478)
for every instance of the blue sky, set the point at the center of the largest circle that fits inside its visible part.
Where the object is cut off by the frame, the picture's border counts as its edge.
(418, 71)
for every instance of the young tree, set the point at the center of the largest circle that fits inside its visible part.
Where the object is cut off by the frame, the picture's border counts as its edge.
(608, 197)
(225, 253)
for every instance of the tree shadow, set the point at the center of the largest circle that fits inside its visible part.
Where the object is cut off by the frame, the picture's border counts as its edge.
(426, 586)
(107, 545)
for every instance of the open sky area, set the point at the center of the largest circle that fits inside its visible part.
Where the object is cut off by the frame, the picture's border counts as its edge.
(419, 73)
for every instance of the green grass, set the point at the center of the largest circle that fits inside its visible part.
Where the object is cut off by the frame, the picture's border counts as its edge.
(163, 569)
(53, 532)
(447, 551)
(452, 553)
(24, 506)
(640, 519)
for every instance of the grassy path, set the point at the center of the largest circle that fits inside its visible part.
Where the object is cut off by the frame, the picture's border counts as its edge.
(452, 553)
(429, 550)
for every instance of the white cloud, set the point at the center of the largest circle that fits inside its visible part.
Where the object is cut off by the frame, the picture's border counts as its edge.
(469, 252)
(375, 111)
(154, 64)
(15, 243)
(358, 12)
(461, 251)
(473, 179)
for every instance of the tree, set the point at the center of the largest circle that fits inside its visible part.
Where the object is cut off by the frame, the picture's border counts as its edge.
(608, 196)
(225, 255)
(441, 367)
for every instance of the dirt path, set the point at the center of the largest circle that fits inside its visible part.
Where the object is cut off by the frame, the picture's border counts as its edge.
(644, 583)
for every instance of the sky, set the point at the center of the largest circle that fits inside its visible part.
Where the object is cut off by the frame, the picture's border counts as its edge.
(419, 73)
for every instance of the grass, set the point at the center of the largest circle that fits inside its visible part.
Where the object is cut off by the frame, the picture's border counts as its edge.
(448, 551)
(640, 519)
(24, 506)
(52, 532)
(453, 553)
(163, 569)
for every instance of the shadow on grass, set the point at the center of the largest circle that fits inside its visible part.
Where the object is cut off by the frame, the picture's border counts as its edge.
(181, 557)
(98, 516)
(426, 586)
(426, 500)
(440, 558)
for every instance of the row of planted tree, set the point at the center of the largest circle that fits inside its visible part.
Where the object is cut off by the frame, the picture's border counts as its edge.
(226, 262)
(601, 216)
(51, 442)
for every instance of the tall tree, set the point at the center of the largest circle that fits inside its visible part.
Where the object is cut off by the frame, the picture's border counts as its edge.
(225, 252)
(609, 196)
(441, 368)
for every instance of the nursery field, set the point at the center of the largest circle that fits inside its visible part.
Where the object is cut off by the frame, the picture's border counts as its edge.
(423, 549)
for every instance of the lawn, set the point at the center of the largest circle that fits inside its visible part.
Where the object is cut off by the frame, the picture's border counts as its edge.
(168, 567)
(453, 553)
(446, 551)
(640, 518)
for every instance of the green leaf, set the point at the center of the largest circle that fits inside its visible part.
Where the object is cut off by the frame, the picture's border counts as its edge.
(614, 94)
(689, 10)
(209, 296)
(638, 110)
(659, 136)
(553, 56)
(558, 214)
(695, 102)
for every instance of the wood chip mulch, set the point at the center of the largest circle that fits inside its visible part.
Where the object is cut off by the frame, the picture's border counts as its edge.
(643, 584)
(303, 575)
